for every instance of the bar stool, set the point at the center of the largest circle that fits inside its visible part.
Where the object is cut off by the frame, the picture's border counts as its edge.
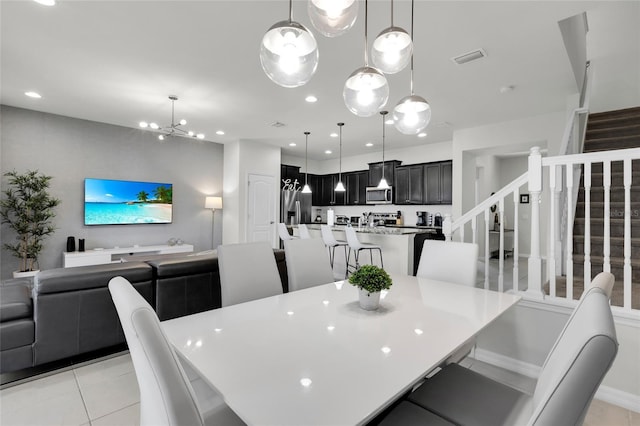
(303, 232)
(356, 246)
(283, 232)
(331, 243)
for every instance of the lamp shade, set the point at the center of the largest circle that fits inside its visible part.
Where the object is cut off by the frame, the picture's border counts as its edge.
(333, 17)
(213, 203)
(366, 91)
(392, 49)
(289, 54)
(411, 115)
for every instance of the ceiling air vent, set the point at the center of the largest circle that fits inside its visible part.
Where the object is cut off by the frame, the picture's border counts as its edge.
(277, 124)
(469, 56)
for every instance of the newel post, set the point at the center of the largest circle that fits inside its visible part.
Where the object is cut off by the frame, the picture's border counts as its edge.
(446, 227)
(534, 288)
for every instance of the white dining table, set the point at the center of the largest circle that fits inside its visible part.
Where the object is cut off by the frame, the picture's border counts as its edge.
(314, 357)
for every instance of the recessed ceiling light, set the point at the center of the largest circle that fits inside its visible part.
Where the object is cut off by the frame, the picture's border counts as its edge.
(34, 95)
(507, 89)
(292, 144)
(334, 135)
(220, 132)
(46, 2)
(327, 151)
(422, 135)
(389, 121)
(368, 144)
(311, 99)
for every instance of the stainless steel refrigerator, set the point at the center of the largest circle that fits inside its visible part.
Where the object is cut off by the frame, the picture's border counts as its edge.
(295, 207)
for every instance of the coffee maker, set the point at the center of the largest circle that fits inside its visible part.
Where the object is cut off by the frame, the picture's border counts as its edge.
(422, 219)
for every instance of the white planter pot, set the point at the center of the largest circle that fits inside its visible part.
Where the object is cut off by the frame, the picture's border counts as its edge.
(28, 274)
(369, 301)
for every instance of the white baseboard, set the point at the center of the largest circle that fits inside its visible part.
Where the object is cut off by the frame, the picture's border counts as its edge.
(604, 393)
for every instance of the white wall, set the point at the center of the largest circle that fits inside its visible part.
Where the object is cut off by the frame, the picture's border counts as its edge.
(244, 158)
(71, 150)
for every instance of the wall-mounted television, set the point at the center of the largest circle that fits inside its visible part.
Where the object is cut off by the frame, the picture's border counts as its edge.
(121, 202)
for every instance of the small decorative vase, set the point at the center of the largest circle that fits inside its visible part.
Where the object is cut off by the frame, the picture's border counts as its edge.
(369, 301)
(71, 244)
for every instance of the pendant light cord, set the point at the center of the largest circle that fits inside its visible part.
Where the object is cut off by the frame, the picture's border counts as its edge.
(392, 13)
(413, 47)
(290, 10)
(366, 45)
(340, 166)
(383, 113)
(306, 151)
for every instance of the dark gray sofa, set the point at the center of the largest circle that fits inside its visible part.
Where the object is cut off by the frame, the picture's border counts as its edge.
(72, 312)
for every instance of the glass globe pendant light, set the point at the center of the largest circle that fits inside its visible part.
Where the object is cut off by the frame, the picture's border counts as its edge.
(289, 53)
(366, 90)
(340, 186)
(392, 49)
(383, 182)
(306, 189)
(333, 17)
(412, 113)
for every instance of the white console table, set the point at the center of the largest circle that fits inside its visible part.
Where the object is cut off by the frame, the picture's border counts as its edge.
(110, 255)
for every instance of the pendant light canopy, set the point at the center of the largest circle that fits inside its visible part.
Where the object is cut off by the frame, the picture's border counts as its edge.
(366, 90)
(383, 182)
(306, 189)
(340, 186)
(412, 113)
(392, 49)
(289, 53)
(333, 17)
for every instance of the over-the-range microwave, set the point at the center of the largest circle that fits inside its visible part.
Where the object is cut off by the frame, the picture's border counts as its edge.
(379, 196)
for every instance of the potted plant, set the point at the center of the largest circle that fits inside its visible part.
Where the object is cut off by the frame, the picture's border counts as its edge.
(28, 209)
(371, 280)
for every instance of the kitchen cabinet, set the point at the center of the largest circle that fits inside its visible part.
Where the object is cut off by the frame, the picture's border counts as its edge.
(291, 178)
(375, 172)
(356, 184)
(409, 184)
(327, 195)
(438, 183)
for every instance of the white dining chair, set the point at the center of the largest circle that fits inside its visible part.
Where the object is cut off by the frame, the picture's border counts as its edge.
(331, 243)
(303, 231)
(356, 247)
(307, 263)
(283, 232)
(248, 271)
(167, 396)
(570, 376)
(450, 261)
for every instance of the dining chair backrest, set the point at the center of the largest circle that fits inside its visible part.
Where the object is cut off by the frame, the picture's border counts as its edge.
(577, 364)
(303, 231)
(283, 232)
(327, 235)
(307, 263)
(248, 271)
(450, 261)
(166, 396)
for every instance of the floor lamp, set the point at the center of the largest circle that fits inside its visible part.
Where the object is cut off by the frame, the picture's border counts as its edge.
(213, 203)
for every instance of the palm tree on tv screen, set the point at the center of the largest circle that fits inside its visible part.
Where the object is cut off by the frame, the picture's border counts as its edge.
(143, 196)
(163, 194)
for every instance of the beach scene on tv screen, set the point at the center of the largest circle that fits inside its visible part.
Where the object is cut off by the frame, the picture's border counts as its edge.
(118, 202)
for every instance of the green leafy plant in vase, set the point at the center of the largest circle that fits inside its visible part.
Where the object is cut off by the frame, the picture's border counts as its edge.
(28, 209)
(371, 280)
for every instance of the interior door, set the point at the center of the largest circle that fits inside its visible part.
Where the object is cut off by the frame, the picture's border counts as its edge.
(261, 212)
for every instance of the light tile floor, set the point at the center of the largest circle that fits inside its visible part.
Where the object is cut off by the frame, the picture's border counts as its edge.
(105, 393)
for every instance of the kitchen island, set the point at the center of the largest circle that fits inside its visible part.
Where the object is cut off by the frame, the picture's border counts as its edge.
(400, 246)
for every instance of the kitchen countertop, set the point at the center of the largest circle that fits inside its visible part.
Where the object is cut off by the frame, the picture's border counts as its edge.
(382, 230)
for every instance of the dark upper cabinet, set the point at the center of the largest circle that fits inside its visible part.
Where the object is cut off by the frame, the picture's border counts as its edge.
(356, 184)
(375, 172)
(315, 183)
(291, 178)
(438, 183)
(338, 197)
(326, 193)
(409, 184)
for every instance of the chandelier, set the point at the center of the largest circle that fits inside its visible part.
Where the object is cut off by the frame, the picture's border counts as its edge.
(174, 129)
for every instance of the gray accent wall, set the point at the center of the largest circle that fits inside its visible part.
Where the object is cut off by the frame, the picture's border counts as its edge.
(71, 150)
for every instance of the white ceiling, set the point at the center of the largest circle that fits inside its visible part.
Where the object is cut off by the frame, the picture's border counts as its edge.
(117, 61)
